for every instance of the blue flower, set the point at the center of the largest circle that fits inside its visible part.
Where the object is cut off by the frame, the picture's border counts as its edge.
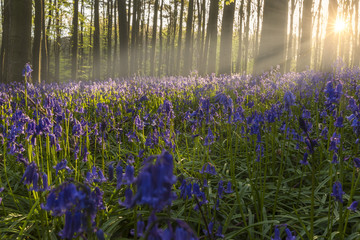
(277, 234)
(289, 235)
(353, 206)
(337, 192)
(129, 174)
(339, 122)
(220, 189)
(119, 175)
(305, 161)
(62, 165)
(26, 72)
(209, 139)
(228, 188)
(208, 168)
(357, 162)
(289, 99)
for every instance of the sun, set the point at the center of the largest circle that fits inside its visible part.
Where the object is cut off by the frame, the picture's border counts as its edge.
(340, 25)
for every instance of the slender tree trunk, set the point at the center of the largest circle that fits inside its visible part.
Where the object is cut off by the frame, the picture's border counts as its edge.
(36, 55)
(123, 39)
(109, 50)
(81, 43)
(115, 53)
(317, 40)
(48, 42)
(134, 31)
(74, 42)
(247, 30)
(306, 31)
(239, 55)
(258, 27)
(128, 17)
(147, 38)
(178, 56)
(198, 38)
(161, 39)
(44, 49)
(96, 54)
(273, 36)
(168, 46)
(226, 38)
(57, 41)
(355, 48)
(173, 57)
(212, 32)
(330, 44)
(153, 39)
(19, 38)
(290, 41)
(188, 43)
(4, 41)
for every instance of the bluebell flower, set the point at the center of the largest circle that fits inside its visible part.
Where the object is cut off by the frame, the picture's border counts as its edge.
(220, 189)
(111, 171)
(129, 175)
(209, 139)
(31, 176)
(219, 232)
(1, 189)
(119, 175)
(289, 99)
(208, 168)
(335, 159)
(337, 192)
(353, 206)
(45, 182)
(276, 234)
(289, 235)
(26, 72)
(304, 161)
(228, 188)
(62, 165)
(357, 162)
(100, 234)
(128, 199)
(339, 122)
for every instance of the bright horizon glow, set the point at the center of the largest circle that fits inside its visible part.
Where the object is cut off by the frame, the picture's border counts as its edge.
(340, 25)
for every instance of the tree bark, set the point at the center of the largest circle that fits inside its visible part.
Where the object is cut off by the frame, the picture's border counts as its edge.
(305, 43)
(247, 30)
(57, 41)
(123, 38)
(109, 36)
(187, 53)
(153, 39)
(239, 55)
(36, 59)
(96, 54)
(355, 48)
(44, 49)
(330, 44)
(161, 39)
(4, 41)
(273, 36)
(290, 40)
(19, 38)
(212, 33)
(226, 38)
(74, 41)
(178, 56)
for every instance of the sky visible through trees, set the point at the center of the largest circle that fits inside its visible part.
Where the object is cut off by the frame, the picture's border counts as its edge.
(186, 38)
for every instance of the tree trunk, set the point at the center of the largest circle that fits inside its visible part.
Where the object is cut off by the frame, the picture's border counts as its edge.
(48, 43)
(74, 41)
(239, 55)
(226, 38)
(147, 38)
(187, 52)
(123, 38)
(109, 50)
(44, 50)
(96, 54)
(19, 38)
(5, 41)
(290, 40)
(212, 32)
(317, 41)
(256, 46)
(178, 56)
(273, 36)
(153, 39)
(355, 46)
(115, 58)
(306, 31)
(330, 43)
(161, 38)
(247, 30)
(57, 41)
(36, 59)
(134, 35)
